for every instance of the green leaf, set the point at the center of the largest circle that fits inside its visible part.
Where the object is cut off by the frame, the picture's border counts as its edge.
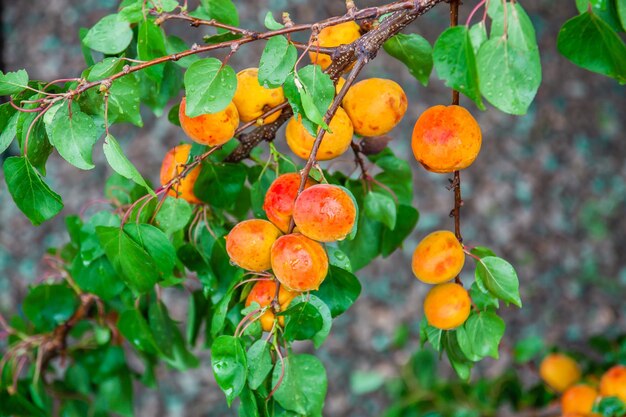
(169, 339)
(271, 23)
(457, 358)
(482, 300)
(407, 218)
(39, 147)
(156, 244)
(259, 363)
(366, 245)
(115, 394)
(607, 10)
(98, 277)
(482, 251)
(413, 51)
(310, 94)
(621, 12)
(151, 45)
(304, 385)
(520, 30)
(499, 278)
(209, 87)
(382, 208)
(134, 327)
(590, 43)
(339, 290)
(120, 164)
(248, 406)
(8, 126)
(198, 312)
(13, 82)
(124, 98)
(337, 258)
(175, 45)
(73, 136)
(478, 35)
(224, 11)
(174, 215)
(220, 184)
(228, 360)
(455, 62)
(105, 68)
(528, 349)
(111, 35)
(610, 407)
(47, 306)
(485, 330)
(277, 62)
(303, 321)
(30, 193)
(133, 13)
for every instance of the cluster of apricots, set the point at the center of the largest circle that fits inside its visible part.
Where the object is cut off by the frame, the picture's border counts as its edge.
(445, 139)
(562, 374)
(293, 252)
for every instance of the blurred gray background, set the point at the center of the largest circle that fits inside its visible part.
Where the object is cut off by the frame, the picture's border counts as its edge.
(548, 193)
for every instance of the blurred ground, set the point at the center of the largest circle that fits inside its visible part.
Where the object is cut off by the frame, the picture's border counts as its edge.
(548, 193)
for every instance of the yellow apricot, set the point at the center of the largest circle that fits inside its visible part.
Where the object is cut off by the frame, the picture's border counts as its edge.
(578, 399)
(281, 197)
(299, 263)
(210, 129)
(249, 244)
(559, 371)
(333, 144)
(375, 106)
(613, 383)
(324, 213)
(252, 99)
(446, 139)
(438, 258)
(447, 306)
(341, 34)
(263, 293)
(173, 164)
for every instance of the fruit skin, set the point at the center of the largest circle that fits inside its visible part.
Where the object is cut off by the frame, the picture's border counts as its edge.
(280, 198)
(613, 383)
(341, 34)
(438, 258)
(249, 244)
(299, 263)
(324, 213)
(333, 144)
(447, 306)
(578, 399)
(210, 129)
(173, 164)
(252, 99)
(263, 293)
(375, 106)
(446, 139)
(559, 371)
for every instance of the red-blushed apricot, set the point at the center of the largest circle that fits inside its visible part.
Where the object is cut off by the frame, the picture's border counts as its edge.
(446, 139)
(578, 399)
(252, 99)
(299, 263)
(249, 244)
(559, 371)
(375, 106)
(210, 129)
(174, 164)
(447, 306)
(613, 383)
(280, 198)
(341, 34)
(333, 144)
(324, 213)
(438, 258)
(263, 293)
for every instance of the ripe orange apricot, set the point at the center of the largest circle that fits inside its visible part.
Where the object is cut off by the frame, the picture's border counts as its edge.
(324, 213)
(263, 293)
(578, 399)
(447, 306)
(559, 371)
(375, 106)
(249, 244)
(280, 198)
(333, 144)
(210, 129)
(173, 164)
(252, 99)
(438, 258)
(446, 139)
(613, 383)
(299, 263)
(341, 34)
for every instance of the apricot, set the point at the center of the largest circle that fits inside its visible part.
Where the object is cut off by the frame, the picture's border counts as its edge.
(210, 129)
(333, 144)
(375, 106)
(438, 258)
(324, 213)
(446, 139)
(299, 263)
(249, 244)
(263, 293)
(173, 164)
(341, 34)
(447, 306)
(613, 383)
(578, 399)
(252, 99)
(559, 371)
(280, 198)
